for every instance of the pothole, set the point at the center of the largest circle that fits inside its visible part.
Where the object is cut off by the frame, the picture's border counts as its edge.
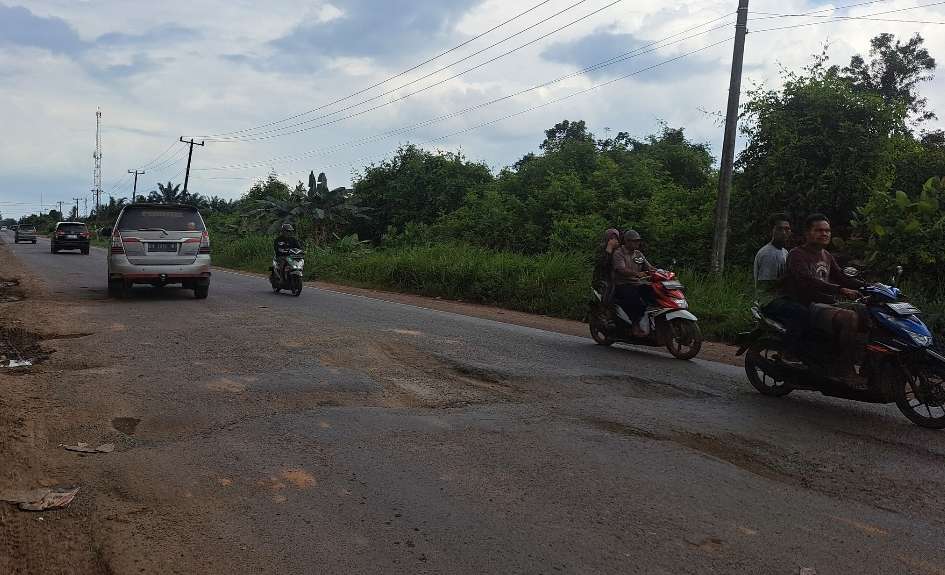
(126, 425)
(19, 348)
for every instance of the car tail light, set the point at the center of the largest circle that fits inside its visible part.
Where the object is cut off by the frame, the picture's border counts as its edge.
(84, 234)
(60, 233)
(204, 244)
(117, 246)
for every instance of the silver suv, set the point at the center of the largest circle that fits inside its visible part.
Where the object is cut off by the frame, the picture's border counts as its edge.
(159, 244)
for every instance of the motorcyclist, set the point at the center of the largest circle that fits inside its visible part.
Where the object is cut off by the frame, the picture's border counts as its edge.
(814, 280)
(285, 242)
(631, 270)
(603, 276)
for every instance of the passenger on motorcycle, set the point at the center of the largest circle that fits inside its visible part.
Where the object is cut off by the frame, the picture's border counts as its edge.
(816, 282)
(283, 243)
(631, 285)
(603, 264)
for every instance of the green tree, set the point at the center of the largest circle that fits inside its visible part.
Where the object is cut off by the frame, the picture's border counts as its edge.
(894, 71)
(816, 145)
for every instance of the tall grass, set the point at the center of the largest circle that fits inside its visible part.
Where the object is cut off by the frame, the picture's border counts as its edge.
(549, 284)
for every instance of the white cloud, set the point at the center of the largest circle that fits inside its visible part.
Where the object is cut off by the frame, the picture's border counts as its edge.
(181, 68)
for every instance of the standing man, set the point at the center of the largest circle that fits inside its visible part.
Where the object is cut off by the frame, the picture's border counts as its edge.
(771, 259)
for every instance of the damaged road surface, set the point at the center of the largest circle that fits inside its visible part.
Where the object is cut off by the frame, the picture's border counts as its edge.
(331, 433)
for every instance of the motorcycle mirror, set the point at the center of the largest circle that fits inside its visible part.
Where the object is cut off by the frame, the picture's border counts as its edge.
(851, 271)
(674, 263)
(898, 274)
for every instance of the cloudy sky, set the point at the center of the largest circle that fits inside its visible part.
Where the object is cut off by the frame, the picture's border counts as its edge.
(293, 86)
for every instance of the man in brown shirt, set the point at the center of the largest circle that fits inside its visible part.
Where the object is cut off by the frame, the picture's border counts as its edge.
(814, 280)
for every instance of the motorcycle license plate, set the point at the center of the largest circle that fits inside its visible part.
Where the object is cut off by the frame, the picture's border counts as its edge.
(162, 247)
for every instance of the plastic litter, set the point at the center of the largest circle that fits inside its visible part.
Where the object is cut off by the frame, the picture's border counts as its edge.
(40, 499)
(86, 448)
(19, 363)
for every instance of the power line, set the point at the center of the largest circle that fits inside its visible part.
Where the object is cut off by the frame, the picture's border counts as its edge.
(276, 133)
(637, 52)
(842, 18)
(838, 18)
(388, 79)
(521, 112)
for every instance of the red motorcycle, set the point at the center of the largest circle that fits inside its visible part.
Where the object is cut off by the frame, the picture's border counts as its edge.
(666, 321)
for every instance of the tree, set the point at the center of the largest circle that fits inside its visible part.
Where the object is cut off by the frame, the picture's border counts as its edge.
(415, 185)
(167, 194)
(894, 71)
(817, 145)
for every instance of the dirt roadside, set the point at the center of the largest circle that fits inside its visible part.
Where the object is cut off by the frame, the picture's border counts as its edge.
(711, 351)
(33, 326)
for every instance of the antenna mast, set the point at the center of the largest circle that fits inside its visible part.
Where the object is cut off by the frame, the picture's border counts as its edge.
(97, 175)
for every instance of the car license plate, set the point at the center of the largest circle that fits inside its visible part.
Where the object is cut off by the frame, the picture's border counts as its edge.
(162, 247)
(71, 236)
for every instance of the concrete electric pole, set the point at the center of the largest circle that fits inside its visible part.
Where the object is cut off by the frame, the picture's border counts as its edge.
(720, 239)
(189, 155)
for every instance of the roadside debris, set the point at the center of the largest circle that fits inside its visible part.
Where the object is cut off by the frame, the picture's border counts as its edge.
(86, 448)
(808, 571)
(19, 363)
(40, 499)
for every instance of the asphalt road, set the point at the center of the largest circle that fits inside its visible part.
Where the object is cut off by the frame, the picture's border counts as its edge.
(331, 433)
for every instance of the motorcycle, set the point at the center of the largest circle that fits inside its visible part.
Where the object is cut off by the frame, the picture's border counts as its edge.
(900, 364)
(666, 321)
(289, 277)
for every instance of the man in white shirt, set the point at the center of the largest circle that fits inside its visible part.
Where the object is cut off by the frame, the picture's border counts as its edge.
(771, 259)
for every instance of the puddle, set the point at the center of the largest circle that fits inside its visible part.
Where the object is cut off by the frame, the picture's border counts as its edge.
(126, 425)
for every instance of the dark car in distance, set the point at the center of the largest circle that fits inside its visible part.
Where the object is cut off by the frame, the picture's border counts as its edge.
(69, 236)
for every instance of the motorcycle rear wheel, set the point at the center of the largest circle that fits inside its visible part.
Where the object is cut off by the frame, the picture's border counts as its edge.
(760, 351)
(685, 339)
(920, 396)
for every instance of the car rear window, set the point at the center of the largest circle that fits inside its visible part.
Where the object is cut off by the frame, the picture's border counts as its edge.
(26, 229)
(71, 228)
(176, 219)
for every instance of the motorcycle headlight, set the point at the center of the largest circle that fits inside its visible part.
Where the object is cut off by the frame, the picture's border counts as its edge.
(297, 264)
(921, 340)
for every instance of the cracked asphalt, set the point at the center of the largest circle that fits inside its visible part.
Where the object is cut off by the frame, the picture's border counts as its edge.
(334, 433)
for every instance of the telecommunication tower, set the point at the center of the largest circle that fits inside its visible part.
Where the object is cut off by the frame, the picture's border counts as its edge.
(97, 156)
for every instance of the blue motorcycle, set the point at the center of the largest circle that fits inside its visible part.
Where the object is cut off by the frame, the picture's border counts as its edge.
(900, 363)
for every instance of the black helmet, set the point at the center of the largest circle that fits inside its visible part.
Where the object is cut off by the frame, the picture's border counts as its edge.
(631, 235)
(287, 228)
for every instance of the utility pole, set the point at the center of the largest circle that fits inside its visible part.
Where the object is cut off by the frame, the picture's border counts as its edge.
(189, 155)
(85, 204)
(720, 239)
(134, 194)
(76, 207)
(60, 208)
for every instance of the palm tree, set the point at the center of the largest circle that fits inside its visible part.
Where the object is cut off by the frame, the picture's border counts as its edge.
(169, 194)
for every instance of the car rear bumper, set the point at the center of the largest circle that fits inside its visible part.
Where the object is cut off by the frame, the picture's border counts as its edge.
(120, 269)
(70, 244)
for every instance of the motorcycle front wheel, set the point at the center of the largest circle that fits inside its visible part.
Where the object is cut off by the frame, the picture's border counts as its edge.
(761, 352)
(920, 396)
(296, 283)
(599, 331)
(685, 339)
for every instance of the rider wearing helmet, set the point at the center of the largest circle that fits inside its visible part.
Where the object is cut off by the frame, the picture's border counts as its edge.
(285, 242)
